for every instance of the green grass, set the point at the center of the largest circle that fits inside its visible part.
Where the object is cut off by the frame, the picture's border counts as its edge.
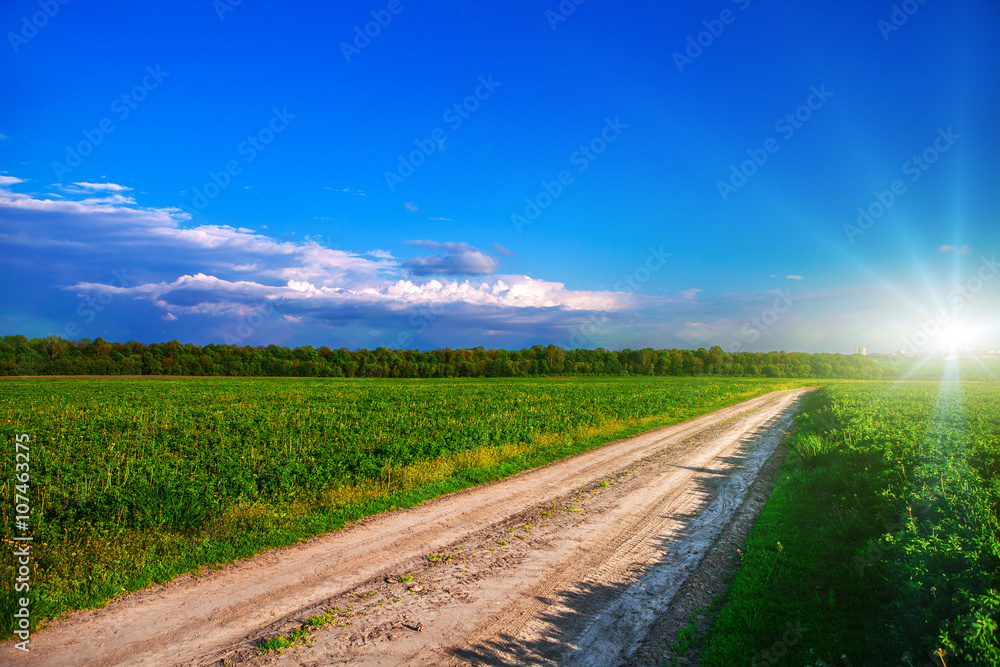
(135, 481)
(280, 642)
(934, 369)
(879, 544)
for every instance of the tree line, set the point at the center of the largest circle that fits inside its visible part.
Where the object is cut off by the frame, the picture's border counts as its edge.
(57, 356)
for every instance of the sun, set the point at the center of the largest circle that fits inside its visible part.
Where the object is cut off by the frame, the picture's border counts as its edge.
(957, 338)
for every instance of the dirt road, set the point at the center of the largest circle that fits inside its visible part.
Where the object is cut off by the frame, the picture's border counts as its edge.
(567, 564)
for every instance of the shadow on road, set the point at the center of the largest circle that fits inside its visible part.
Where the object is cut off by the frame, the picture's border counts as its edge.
(553, 635)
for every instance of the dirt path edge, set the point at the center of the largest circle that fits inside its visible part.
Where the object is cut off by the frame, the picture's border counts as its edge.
(710, 580)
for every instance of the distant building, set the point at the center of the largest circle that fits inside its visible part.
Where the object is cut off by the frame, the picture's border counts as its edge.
(863, 351)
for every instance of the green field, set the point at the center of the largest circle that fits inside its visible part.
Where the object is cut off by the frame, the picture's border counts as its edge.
(935, 369)
(881, 542)
(134, 481)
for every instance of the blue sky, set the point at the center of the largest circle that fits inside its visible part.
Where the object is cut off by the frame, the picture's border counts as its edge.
(502, 174)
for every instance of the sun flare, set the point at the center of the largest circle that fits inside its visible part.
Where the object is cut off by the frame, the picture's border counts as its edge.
(957, 338)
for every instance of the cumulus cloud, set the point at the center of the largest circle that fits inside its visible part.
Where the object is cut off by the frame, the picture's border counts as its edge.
(9, 180)
(209, 295)
(216, 271)
(99, 187)
(453, 259)
(500, 250)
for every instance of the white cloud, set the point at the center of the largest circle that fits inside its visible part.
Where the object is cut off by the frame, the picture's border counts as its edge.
(454, 259)
(690, 294)
(793, 277)
(9, 180)
(352, 191)
(206, 294)
(217, 270)
(101, 187)
(169, 317)
(500, 250)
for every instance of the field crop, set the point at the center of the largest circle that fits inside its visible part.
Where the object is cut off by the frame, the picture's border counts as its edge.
(935, 369)
(134, 481)
(881, 542)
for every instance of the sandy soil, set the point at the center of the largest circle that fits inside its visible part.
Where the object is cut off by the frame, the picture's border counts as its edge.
(569, 564)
